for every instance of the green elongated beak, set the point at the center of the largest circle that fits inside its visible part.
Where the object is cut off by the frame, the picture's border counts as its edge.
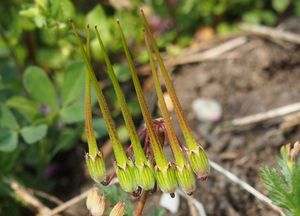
(159, 156)
(201, 165)
(184, 174)
(122, 162)
(94, 159)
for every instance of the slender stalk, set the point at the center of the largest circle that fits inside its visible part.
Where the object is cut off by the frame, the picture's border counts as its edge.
(178, 155)
(93, 149)
(141, 204)
(160, 157)
(140, 157)
(117, 146)
(190, 140)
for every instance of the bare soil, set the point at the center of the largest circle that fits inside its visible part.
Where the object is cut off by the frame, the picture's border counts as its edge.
(261, 75)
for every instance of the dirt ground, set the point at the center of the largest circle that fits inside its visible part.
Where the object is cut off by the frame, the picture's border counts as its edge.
(262, 75)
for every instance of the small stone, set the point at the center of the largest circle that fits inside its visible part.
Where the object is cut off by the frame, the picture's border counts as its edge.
(172, 204)
(208, 110)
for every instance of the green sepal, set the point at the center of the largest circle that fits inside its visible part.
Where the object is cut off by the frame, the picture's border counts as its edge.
(145, 176)
(166, 179)
(199, 162)
(96, 167)
(186, 179)
(126, 176)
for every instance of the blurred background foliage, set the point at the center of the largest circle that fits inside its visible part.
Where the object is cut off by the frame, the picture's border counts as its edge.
(42, 74)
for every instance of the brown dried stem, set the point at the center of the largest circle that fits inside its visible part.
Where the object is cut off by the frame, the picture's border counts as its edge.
(141, 204)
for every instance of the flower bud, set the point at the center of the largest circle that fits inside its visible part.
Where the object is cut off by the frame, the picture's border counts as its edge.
(295, 152)
(290, 154)
(199, 162)
(96, 167)
(166, 179)
(145, 176)
(118, 209)
(126, 176)
(95, 203)
(186, 179)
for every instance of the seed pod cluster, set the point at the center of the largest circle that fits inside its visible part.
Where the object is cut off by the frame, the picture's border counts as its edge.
(144, 165)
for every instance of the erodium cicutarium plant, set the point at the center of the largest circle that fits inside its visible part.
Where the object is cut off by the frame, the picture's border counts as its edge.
(144, 165)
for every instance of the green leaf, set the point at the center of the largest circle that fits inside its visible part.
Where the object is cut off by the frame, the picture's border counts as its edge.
(5, 189)
(8, 72)
(115, 194)
(276, 186)
(122, 72)
(31, 11)
(51, 57)
(67, 139)
(62, 9)
(39, 86)
(8, 160)
(7, 119)
(8, 139)
(100, 127)
(32, 134)
(73, 84)
(280, 5)
(297, 8)
(159, 211)
(123, 133)
(253, 17)
(98, 17)
(73, 113)
(27, 108)
(268, 17)
(134, 108)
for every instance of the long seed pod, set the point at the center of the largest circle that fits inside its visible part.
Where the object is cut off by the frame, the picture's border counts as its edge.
(196, 154)
(125, 169)
(184, 174)
(165, 174)
(94, 158)
(145, 170)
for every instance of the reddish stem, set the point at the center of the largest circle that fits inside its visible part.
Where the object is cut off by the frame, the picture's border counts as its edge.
(141, 204)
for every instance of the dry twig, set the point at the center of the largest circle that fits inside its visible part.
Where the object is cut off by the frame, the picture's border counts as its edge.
(208, 54)
(68, 204)
(246, 187)
(271, 32)
(47, 196)
(28, 199)
(259, 117)
(290, 121)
